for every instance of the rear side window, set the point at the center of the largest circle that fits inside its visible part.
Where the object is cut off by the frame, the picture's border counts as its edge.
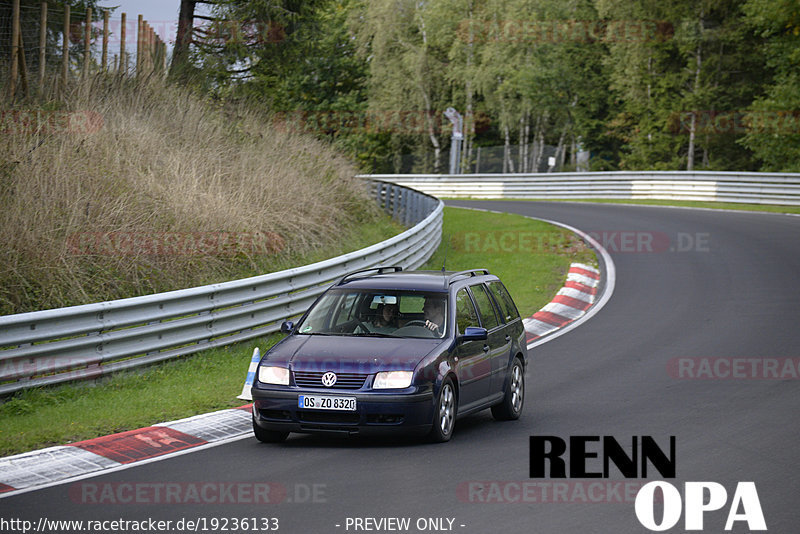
(465, 311)
(485, 307)
(504, 300)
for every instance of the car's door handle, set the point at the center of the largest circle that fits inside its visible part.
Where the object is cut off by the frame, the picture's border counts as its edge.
(486, 348)
(508, 338)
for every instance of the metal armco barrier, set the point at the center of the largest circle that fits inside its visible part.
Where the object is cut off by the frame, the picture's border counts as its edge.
(52, 346)
(745, 187)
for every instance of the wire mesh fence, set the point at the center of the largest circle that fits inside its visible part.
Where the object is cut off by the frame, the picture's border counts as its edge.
(58, 42)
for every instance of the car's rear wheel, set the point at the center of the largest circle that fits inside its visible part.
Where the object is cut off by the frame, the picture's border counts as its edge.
(511, 406)
(444, 418)
(268, 436)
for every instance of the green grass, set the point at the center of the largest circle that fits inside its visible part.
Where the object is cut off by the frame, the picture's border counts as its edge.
(530, 257)
(771, 208)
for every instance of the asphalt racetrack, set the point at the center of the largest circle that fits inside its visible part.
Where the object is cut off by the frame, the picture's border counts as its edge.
(698, 341)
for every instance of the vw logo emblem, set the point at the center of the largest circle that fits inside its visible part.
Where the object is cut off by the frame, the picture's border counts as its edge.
(328, 379)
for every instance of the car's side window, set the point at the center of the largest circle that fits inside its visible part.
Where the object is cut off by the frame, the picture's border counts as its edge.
(465, 311)
(504, 300)
(485, 306)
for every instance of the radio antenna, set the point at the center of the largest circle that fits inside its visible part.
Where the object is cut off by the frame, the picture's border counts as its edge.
(446, 246)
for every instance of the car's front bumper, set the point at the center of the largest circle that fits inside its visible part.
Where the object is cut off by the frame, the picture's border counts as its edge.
(376, 413)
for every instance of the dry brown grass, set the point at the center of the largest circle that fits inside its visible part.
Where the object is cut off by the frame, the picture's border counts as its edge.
(164, 163)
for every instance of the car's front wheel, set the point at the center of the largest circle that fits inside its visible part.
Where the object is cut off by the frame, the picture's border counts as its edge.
(444, 418)
(511, 406)
(268, 436)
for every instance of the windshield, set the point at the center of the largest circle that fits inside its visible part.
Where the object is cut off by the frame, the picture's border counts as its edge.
(376, 313)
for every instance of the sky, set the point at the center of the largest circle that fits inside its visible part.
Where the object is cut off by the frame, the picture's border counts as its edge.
(162, 15)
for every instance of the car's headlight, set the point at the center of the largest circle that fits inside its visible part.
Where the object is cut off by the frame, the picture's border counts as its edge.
(392, 380)
(273, 375)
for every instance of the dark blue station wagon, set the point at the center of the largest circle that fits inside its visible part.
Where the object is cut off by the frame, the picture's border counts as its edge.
(386, 350)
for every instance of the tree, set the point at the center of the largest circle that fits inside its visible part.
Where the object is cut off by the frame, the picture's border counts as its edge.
(774, 121)
(671, 88)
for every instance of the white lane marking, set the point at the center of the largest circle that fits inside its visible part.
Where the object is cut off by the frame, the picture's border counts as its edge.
(582, 279)
(128, 466)
(576, 294)
(213, 426)
(537, 327)
(46, 465)
(586, 267)
(563, 310)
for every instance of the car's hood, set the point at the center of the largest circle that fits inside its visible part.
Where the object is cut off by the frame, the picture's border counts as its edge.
(351, 354)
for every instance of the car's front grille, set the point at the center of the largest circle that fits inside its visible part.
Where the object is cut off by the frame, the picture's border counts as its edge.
(313, 379)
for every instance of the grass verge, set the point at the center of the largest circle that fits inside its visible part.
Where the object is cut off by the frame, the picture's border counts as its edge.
(530, 257)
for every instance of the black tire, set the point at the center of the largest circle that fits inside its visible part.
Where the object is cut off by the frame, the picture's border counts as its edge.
(268, 436)
(444, 416)
(513, 401)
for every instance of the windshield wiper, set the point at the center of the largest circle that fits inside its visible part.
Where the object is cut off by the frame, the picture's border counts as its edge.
(371, 334)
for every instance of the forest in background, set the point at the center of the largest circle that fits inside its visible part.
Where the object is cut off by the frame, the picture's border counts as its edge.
(638, 85)
(644, 84)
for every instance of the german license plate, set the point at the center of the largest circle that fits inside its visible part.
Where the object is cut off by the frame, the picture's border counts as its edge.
(325, 402)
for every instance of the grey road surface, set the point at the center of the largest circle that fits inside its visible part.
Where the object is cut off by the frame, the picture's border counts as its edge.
(693, 287)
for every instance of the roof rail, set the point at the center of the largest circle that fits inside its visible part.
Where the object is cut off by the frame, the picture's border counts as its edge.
(380, 270)
(470, 272)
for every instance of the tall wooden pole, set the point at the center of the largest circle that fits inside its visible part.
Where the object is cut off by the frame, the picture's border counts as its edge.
(65, 49)
(15, 31)
(42, 46)
(87, 42)
(104, 61)
(123, 58)
(139, 44)
(23, 69)
(151, 42)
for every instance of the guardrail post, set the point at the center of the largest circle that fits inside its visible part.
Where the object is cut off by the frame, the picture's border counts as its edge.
(395, 201)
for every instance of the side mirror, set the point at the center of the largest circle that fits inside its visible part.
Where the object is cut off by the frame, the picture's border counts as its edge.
(474, 333)
(287, 327)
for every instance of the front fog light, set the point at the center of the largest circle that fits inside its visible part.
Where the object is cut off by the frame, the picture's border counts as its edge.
(392, 380)
(273, 375)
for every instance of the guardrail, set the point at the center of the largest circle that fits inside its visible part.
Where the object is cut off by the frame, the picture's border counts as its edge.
(745, 187)
(52, 346)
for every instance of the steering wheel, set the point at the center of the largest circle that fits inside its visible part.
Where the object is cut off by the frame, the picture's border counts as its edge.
(416, 322)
